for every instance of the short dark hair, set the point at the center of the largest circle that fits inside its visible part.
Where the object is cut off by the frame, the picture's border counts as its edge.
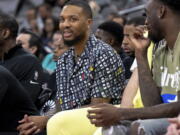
(83, 4)
(173, 4)
(34, 40)
(9, 22)
(113, 28)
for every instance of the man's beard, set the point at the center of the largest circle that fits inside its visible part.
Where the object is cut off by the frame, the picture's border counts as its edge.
(73, 42)
(154, 38)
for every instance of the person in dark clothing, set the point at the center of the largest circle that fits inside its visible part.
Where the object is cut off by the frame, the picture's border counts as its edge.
(24, 66)
(14, 102)
(112, 33)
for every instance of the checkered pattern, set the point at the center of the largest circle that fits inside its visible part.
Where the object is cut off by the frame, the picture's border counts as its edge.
(98, 73)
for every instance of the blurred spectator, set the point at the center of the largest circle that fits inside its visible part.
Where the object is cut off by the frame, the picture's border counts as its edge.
(30, 42)
(31, 21)
(59, 47)
(45, 11)
(31, 14)
(50, 27)
(49, 62)
(33, 25)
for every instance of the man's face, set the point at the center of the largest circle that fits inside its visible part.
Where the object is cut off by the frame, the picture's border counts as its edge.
(127, 45)
(49, 25)
(23, 39)
(43, 11)
(31, 14)
(74, 25)
(153, 21)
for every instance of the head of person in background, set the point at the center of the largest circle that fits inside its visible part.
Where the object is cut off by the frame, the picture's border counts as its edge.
(61, 3)
(30, 42)
(51, 25)
(45, 11)
(111, 33)
(31, 14)
(8, 32)
(128, 29)
(59, 47)
(31, 19)
(119, 19)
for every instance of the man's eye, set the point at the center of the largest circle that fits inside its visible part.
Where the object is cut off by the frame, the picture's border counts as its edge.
(73, 19)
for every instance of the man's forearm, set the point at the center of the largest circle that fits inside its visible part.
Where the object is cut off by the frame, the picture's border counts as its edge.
(158, 111)
(150, 93)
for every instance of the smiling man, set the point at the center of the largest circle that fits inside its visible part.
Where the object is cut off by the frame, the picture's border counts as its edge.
(90, 72)
(159, 87)
(90, 66)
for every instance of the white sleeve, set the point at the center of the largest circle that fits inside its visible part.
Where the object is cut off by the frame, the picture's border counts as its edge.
(134, 65)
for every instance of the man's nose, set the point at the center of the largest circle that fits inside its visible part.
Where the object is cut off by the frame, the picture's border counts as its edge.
(66, 23)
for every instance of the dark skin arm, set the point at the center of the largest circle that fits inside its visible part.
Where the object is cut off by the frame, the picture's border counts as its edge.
(106, 115)
(149, 90)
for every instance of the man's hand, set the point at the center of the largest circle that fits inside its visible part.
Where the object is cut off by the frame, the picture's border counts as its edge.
(139, 42)
(174, 127)
(104, 115)
(32, 125)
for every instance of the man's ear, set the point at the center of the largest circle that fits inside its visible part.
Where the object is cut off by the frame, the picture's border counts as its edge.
(33, 49)
(111, 41)
(5, 33)
(162, 11)
(89, 22)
